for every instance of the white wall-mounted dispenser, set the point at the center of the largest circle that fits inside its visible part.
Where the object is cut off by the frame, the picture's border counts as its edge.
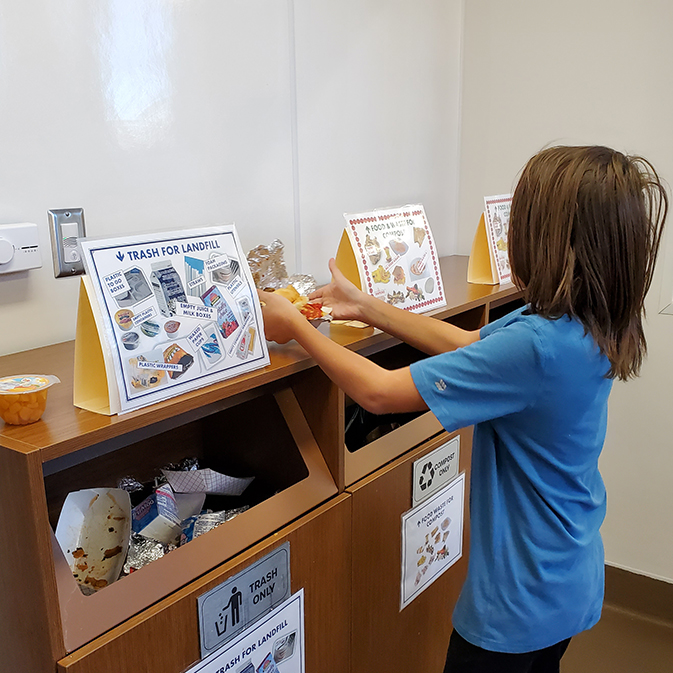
(19, 247)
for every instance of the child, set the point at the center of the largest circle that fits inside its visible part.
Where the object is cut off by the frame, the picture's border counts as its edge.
(585, 228)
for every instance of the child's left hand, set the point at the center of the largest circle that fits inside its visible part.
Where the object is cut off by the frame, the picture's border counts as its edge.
(281, 318)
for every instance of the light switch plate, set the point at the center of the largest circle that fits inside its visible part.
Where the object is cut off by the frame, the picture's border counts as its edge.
(66, 225)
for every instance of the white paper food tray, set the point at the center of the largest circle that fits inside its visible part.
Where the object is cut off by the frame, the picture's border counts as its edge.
(206, 481)
(94, 529)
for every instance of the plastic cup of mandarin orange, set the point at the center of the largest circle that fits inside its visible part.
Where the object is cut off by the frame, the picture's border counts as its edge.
(23, 398)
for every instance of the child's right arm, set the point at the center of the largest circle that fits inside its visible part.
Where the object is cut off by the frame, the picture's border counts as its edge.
(379, 390)
(427, 334)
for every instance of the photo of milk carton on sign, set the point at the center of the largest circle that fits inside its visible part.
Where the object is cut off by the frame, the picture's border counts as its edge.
(167, 287)
(226, 319)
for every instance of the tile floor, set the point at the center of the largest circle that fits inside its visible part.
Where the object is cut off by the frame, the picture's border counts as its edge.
(622, 642)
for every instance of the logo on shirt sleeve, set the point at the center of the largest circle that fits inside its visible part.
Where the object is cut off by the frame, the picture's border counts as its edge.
(440, 385)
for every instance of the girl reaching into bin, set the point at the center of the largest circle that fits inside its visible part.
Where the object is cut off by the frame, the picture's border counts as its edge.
(585, 228)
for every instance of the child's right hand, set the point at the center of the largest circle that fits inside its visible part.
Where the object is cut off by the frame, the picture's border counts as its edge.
(281, 319)
(346, 301)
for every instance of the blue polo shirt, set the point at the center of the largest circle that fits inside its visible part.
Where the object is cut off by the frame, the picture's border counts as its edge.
(536, 391)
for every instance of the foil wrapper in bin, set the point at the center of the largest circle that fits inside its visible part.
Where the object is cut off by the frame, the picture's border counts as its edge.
(185, 465)
(143, 550)
(198, 525)
(268, 266)
(130, 485)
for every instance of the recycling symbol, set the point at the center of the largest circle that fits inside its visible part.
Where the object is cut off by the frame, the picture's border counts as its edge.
(427, 474)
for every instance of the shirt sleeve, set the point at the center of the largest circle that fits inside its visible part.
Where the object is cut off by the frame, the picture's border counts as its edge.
(499, 375)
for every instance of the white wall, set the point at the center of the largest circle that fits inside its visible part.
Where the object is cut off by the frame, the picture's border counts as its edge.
(378, 110)
(594, 72)
(278, 115)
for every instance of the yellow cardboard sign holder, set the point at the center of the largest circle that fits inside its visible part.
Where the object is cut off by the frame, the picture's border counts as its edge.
(345, 260)
(481, 267)
(489, 260)
(93, 361)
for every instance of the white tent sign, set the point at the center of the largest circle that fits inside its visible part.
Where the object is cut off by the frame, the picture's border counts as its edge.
(432, 539)
(172, 312)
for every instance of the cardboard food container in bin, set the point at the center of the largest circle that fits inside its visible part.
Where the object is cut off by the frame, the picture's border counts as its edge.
(94, 530)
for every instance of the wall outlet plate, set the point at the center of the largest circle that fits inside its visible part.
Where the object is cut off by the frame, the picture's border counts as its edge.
(66, 225)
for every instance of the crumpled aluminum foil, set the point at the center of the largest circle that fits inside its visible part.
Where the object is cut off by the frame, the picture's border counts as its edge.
(130, 484)
(268, 266)
(185, 465)
(202, 523)
(303, 283)
(143, 550)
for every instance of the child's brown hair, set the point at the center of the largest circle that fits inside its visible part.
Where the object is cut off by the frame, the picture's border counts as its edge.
(585, 229)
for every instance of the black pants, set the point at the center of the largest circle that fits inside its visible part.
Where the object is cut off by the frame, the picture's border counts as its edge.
(463, 657)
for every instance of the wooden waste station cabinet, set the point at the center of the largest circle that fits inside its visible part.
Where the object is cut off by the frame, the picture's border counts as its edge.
(334, 498)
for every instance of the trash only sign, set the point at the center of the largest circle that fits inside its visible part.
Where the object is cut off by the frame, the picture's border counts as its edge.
(236, 604)
(274, 644)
